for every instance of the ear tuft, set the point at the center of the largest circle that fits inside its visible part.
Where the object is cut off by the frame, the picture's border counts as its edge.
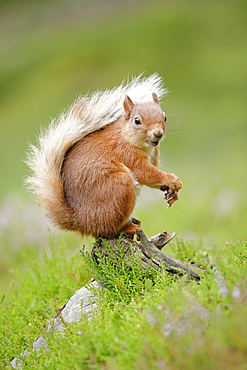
(128, 106)
(155, 98)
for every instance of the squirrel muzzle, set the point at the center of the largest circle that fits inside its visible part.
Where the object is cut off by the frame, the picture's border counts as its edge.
(155, 136)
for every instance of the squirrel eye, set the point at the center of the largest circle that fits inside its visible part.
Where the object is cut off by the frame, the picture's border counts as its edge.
(137, 121)
(165, 119)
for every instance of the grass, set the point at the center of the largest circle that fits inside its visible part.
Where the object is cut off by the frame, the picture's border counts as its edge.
(143, 321)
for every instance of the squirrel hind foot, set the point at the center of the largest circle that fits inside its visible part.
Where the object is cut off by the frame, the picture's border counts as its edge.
(130, 228)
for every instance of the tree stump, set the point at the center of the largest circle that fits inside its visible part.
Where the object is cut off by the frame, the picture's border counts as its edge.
(149, 250)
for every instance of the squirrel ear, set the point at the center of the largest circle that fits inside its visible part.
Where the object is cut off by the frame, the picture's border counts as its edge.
(128, 106)
(155, 98)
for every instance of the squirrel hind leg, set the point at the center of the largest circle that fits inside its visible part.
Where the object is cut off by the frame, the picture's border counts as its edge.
(110, 208)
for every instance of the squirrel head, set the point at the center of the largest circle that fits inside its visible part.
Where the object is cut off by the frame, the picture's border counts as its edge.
(145, 122)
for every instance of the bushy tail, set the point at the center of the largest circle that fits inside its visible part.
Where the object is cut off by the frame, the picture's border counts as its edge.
(86, 115)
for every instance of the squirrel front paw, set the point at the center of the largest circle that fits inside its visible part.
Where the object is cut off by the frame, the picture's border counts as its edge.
(171, 187)
(172, 182)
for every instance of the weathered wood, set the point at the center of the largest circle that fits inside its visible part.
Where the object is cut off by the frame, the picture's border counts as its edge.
(160, 240)
(82, 303)
(148, 250)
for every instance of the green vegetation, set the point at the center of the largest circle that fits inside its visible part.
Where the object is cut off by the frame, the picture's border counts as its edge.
(52, 51)
(144, 320)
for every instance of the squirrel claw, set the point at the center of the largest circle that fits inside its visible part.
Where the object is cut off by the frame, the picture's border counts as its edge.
(167, 194)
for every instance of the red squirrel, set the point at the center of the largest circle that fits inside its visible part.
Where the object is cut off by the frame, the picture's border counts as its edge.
(90, 163)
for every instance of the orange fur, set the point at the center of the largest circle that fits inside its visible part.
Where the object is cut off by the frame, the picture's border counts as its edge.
(101, 173)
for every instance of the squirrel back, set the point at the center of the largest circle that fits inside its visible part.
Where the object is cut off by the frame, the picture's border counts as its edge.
(86, 118)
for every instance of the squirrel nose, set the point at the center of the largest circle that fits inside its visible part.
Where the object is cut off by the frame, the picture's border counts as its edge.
(158, 133)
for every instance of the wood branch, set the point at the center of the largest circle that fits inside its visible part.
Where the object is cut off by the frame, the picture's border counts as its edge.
(149, 250)
(160, 240)
(82, 303)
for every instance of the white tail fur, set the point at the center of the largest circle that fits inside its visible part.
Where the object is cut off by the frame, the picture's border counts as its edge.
(88, 114)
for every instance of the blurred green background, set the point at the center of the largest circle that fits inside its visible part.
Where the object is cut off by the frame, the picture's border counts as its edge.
(53, 51)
